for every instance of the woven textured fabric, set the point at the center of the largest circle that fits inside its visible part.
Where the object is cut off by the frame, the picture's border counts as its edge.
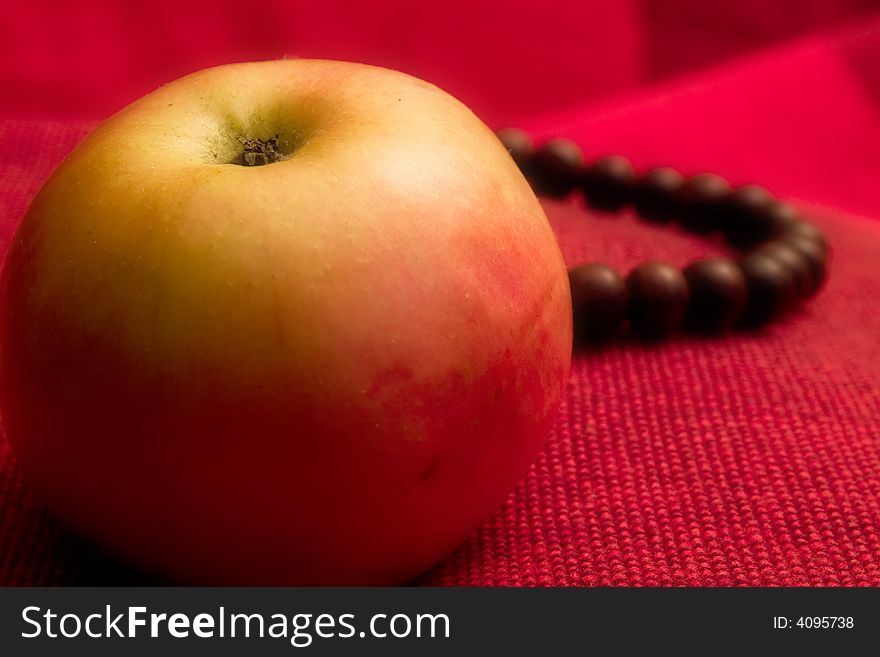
(752, 459)
(747, 460)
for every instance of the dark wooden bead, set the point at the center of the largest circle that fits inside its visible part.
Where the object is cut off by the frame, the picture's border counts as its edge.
(718, 294)
(795, 262)
(519, 144)
(750, 199)
(815, 254)
(805, 230)
(608, 183)
(702, 199)
(656, 194)
(771, 289)
(598, 298)
(658, 299)
(556, 167)
(780, 217)
(744, 220)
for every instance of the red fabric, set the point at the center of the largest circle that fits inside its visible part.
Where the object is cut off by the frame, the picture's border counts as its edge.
(753, 459)
(505, 58)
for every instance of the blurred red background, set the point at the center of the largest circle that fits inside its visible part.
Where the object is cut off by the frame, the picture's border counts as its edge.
(506, 59)
(752, 459)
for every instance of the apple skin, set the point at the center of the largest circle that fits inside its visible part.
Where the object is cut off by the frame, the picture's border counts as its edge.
(325, 370)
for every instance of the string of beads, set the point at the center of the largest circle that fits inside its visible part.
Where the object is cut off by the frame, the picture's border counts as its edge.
(782, 259)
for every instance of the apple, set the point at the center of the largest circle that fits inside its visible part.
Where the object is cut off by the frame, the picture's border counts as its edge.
(288, 322)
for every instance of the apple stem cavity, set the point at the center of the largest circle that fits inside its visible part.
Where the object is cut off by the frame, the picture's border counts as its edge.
(257, 152)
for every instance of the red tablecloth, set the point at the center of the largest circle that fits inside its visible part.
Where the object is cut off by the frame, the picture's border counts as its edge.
(753, 459)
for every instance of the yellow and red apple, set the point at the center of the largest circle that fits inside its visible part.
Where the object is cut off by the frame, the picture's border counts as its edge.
(292, 322)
